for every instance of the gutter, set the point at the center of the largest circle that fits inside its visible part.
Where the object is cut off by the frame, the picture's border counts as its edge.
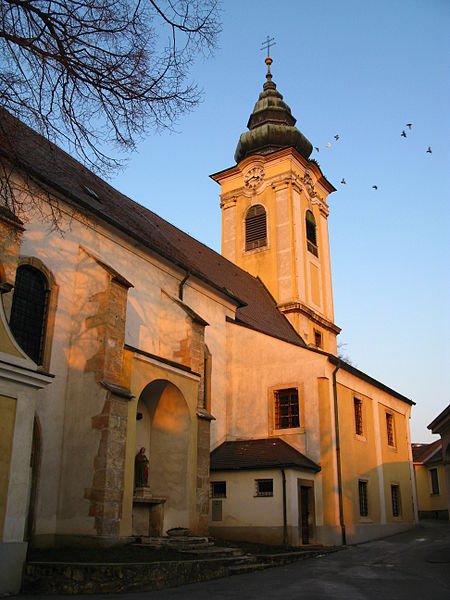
(338, 454)
(285, 532)
(182, 284)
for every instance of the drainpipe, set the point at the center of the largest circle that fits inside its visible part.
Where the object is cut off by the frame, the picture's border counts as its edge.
(285, 532)
(182, 283)
(338, 454)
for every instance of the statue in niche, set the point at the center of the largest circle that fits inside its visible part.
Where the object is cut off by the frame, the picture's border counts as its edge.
(141, 463)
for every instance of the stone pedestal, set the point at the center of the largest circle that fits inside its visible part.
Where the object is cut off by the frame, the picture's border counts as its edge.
(142, 492)
(148, 515)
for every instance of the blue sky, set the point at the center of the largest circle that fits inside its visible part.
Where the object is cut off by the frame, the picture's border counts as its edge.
(361, 70)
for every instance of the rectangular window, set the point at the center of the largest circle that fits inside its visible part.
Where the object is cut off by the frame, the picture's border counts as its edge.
(317, 338)
(363, 502)
(434, 481)
(390, 429)
(357, 406)
(264, 487)
(218, 489)
(287, 409)
(395, 496)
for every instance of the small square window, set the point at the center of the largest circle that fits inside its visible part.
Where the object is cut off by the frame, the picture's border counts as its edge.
(363, 498)
(358, 410)
(287, 409)
(264, 487)
(218, 489)
(396, 505)
(434, 481)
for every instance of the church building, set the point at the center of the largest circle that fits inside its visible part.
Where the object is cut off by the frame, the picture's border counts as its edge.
(148, 382)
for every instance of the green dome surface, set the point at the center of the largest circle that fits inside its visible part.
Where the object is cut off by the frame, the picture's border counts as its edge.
(271, 126)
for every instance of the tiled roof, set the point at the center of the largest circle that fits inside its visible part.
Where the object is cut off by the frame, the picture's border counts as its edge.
(259, 454)
(423, 453)
(55, 169)
(441, 422)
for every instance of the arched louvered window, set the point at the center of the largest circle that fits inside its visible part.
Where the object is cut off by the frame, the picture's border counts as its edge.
(29, 311)
(256, 227)
(311, 235)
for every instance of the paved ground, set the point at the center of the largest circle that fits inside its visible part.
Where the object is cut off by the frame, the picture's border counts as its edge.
(414, 566)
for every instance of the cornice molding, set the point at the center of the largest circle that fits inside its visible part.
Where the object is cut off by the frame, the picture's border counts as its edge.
(299, 307)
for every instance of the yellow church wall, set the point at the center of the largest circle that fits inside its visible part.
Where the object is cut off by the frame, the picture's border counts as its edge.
(369, 458)
(7, 418)
(359, 459)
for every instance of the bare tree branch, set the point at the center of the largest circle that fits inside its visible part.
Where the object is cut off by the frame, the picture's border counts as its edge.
(96, 74)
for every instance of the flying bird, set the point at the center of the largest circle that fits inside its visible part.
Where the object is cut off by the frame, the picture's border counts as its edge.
(403, 134)
(328, 145)
(430, 151)
(343, 181)
(375, 187)
(316, 149)
(409, 125)
(336, 137)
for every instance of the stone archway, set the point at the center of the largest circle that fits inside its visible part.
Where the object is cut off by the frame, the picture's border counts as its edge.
(163, 427)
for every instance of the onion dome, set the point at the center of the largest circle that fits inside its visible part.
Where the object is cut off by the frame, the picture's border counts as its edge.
(271, 125)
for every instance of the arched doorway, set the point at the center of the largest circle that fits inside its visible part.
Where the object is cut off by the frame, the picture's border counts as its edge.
(163, 427)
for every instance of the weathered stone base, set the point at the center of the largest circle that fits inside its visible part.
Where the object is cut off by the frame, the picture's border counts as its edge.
(77, 578)
(79, 541)
(12, 559)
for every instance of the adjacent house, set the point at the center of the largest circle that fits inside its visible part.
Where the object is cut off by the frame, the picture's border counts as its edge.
(430, 477)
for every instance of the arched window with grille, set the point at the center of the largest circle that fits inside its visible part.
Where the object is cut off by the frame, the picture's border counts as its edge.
(29, 311)
(256, 227)
(311, 233)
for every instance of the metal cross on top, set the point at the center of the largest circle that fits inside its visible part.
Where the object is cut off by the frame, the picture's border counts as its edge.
(267, 44)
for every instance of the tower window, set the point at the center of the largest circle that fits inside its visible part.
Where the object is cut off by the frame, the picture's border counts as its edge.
(29, 311)
(317, 338)
(311, 234)
(287, 413)
(256, 228)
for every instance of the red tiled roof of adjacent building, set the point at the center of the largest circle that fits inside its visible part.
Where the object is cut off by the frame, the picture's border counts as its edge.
(423, 453)
(267, 453)
(59, 173)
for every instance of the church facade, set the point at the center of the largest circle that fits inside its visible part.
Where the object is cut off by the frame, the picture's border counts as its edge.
(221, 370)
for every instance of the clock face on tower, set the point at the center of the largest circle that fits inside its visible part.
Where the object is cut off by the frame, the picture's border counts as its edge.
(254, 177)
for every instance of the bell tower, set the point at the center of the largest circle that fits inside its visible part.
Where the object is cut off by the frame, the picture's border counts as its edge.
(274, 217)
